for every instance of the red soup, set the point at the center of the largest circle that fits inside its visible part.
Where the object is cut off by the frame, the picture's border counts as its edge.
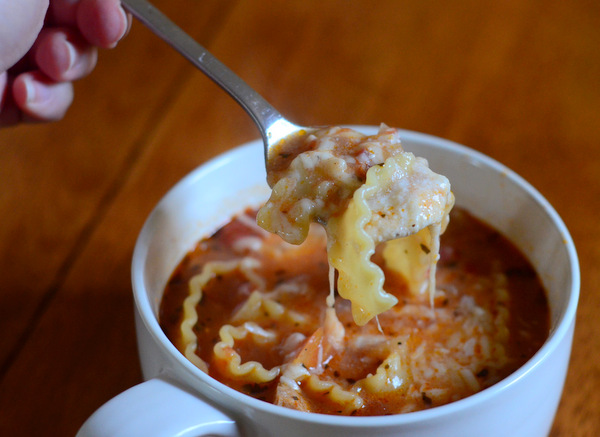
(250, 310)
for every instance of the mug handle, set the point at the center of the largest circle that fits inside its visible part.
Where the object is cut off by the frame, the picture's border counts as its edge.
(158, 408)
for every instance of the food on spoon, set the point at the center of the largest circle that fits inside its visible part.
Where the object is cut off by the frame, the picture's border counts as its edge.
(364, 189)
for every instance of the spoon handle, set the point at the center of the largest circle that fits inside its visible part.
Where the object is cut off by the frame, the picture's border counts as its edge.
(267, 118)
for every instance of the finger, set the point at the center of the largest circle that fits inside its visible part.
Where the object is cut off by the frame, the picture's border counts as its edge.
(41, 98)
(102, 22)
(63, 12)
(64, 56)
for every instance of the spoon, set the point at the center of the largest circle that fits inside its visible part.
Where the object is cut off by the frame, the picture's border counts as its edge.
(275, 129)
(272, 125)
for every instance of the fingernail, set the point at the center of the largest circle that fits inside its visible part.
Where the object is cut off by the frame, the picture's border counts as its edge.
(71, 53)
(29, 90)
(127, 20)
(36, 92)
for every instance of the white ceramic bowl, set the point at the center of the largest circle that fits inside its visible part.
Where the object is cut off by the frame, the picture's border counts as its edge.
(179, 399)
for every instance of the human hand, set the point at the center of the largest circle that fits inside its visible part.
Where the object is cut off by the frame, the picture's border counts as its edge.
(47, 44)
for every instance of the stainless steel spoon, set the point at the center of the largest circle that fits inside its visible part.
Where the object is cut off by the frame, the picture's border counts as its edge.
(272, 125)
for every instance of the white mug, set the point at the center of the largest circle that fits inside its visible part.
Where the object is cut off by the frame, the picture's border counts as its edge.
(178, 399)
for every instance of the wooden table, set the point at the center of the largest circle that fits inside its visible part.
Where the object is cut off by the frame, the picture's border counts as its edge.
(516, 79)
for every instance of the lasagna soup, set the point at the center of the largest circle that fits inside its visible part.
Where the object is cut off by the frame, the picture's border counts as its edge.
(252, 311)
(336, 296)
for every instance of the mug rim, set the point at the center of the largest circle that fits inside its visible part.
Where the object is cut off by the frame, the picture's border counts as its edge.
(563, 324)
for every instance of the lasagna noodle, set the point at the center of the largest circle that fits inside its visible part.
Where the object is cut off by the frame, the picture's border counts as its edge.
(349, 251)
(197, 283)
(391, 376)
(415, 258)
(352, 237)
(259, 306)
(231, 362)
(349, 400)
(297, 385)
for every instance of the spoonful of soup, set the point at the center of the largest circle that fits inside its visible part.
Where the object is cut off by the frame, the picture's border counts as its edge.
(364, 189)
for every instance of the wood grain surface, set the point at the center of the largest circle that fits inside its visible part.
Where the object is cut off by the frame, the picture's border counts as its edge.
(517, 79)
